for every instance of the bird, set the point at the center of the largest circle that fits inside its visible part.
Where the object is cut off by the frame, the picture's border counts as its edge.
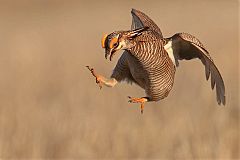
(150, 60)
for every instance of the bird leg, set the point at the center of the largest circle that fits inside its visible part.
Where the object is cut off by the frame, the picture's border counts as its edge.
(139, 100)
(100, 80)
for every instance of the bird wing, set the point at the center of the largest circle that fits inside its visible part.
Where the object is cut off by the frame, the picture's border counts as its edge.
(140, 19)
(121, 71)
(186, 46)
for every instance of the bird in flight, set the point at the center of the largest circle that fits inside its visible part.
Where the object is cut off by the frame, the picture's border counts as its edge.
(150, 60)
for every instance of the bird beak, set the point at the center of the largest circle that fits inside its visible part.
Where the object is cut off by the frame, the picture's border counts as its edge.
(110, 52)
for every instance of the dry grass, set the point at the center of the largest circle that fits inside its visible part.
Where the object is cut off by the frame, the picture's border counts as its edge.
(51, 108)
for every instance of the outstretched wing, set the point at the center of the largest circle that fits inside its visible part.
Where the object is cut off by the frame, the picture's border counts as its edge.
(186, 46)
(140, 20)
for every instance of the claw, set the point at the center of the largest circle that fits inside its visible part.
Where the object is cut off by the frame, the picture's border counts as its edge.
(138, 100)
(142, 106)
(92, 71)
(98, 80)
(130, 99)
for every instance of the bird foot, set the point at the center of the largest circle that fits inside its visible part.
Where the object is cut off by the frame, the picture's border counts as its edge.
(98, 77)
(138, 100)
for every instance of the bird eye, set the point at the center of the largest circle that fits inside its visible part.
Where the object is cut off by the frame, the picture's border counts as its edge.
(115, 44)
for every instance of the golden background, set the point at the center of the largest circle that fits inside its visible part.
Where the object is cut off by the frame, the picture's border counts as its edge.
(50, 106)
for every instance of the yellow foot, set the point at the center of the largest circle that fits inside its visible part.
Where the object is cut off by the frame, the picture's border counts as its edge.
(98, 77)
(138, 100)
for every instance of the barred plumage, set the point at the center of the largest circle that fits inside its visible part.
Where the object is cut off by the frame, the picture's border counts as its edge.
(150, 60)
(158, 70)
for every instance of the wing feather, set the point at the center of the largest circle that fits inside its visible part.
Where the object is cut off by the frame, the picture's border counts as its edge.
(139, 20)
(121, 71)
(186, 46)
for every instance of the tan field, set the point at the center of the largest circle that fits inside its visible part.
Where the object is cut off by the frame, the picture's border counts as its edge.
(51, 108)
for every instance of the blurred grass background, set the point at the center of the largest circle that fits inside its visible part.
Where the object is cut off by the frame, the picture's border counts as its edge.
(50, 106)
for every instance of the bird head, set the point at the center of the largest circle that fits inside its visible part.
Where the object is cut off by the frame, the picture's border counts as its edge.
(119, 40)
